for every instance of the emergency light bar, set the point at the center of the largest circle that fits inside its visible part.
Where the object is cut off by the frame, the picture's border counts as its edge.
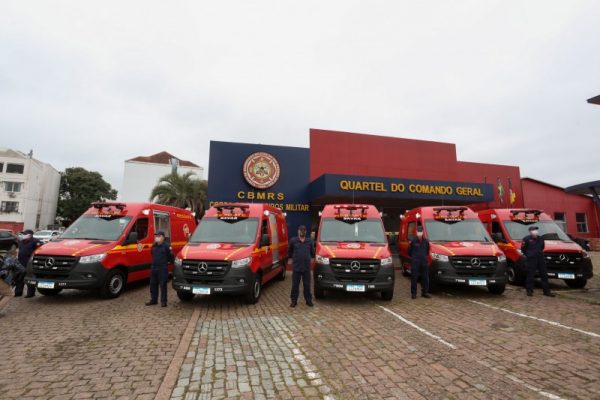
(349, 216)
(526, 211)
(232, 206)
(454, 214)
(225, 212)
(105, 204)
(525, 215)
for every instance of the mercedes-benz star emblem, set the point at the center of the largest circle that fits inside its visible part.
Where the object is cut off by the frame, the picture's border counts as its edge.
(202, 267)
(476, 262)
(49, 262)
(563, 258)
(354, 265)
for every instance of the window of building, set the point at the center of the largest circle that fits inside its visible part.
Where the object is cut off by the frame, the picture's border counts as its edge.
(561, 220)
(1, 167)
(9, 206)
(581, 220)
(14, 168)
(13, 186)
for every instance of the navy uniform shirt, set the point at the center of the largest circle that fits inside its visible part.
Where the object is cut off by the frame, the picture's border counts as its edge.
(533, 246)
(161, 255)
(26, 249)
(301, 253)
(418, 249)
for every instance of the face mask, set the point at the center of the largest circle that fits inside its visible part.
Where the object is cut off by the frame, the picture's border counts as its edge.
(420, 234)
(535, 232)
(302, 234)
(26, 237)
(158, 239)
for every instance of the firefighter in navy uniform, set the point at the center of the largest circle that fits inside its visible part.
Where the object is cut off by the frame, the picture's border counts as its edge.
(418, 250)
(162, 256)
(27, 246)
(301, 250)
(533, 249)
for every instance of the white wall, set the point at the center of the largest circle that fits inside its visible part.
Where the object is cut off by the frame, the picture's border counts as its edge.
(140, 178)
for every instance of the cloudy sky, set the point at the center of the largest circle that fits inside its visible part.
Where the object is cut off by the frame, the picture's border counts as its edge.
(94, 83)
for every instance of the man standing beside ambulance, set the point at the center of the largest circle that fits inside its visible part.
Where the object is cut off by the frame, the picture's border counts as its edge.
(533, 249)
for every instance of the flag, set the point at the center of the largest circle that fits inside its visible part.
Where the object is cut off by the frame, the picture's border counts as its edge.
(512, 196)
(500, 190)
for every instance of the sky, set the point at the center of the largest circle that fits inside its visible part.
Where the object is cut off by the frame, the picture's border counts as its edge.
(92, 84)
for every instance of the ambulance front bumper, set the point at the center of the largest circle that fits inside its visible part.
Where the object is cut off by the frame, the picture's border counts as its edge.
(80, 276)
(444, 272)
(236, 281)
(325, 278)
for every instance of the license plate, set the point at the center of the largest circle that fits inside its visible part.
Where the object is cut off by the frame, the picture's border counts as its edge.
(201, 290)
(45, 285)
(355, 288)
(565, 275)
(477, 282)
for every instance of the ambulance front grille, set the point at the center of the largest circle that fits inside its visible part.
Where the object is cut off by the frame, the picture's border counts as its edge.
(474, 266)
(354, 270)
(53, 266)
(205, 270)
(563, 261)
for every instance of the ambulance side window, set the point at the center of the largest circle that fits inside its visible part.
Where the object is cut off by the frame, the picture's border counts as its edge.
(141, 227)
(162, 223)
(497, 231)
(410, 230)
(264, 230)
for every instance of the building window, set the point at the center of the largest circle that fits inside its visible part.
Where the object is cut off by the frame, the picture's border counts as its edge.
(14, 187)
(9, 206)
(15, 168)
(561, 220)
(1, 167)
(581, 219)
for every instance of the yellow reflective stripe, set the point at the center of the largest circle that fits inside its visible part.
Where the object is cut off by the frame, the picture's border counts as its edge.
(331, 253)
(377, 252)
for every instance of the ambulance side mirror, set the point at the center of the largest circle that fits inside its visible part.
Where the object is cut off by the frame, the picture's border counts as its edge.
(132, 238)
(264, 240)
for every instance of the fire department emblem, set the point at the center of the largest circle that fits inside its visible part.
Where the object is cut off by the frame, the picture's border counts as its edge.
(261, 170)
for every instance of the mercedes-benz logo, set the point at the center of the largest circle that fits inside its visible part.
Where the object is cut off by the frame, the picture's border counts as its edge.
(202, 267)
(476, 262)
(49, 262)
(563, 258)
(354, 265)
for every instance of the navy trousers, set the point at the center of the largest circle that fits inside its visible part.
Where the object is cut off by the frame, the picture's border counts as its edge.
(536, 264)
(419, 269)
(158, 278)
(305, 277)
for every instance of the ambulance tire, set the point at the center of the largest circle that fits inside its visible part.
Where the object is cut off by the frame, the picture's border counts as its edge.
(49, 292)
(185, 296)
(387, 295)
(255, 291)
(281, 276)
(513, 276)
(576, 283)
(497, 289)
(113, 284)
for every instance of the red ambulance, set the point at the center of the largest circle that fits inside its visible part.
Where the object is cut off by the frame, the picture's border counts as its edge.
(565, 259)
(236, 249)
(107, 247)
(461, 250)
(352, 253)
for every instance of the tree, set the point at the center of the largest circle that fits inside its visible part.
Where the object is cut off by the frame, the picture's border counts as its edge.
(78, 189)
(183, 191)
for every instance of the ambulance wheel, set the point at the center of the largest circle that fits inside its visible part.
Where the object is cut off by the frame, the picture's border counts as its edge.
(513, 277)
(281, 276)
(113, 284)
(185, 296)
(497, 289)
(50, 292)
(387, 295)
(255, 290)
(576, 283)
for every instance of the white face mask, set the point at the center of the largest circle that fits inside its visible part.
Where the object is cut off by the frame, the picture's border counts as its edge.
(535, 232)
(26, 237)
(420, 234)
(158, 239)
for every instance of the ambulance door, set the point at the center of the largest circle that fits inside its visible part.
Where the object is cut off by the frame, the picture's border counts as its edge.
(274, 238)
(162, 222)
(138, 261)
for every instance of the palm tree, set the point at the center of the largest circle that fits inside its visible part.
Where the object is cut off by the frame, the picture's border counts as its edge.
(184, 191)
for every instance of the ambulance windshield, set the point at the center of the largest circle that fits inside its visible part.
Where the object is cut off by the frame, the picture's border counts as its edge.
(97, 227)
(214, 230)
(467, 230)
(367, 231)
(548, 230)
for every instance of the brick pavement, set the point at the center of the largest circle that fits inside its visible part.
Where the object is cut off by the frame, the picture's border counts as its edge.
(346, 347)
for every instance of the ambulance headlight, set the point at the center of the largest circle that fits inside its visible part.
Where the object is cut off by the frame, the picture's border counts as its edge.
(386, 261)
(92, 258)
(585, 254)
(501, 258)
(322, 260)
(244, 262)
(440, 257)
(178, 262)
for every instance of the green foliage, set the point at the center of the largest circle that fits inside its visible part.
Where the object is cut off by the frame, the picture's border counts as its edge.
(78, 189)
(184, 191)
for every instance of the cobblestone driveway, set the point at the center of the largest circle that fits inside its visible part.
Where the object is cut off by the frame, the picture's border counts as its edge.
(461, 344)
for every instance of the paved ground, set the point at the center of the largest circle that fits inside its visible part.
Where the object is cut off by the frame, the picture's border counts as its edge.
(461, 344)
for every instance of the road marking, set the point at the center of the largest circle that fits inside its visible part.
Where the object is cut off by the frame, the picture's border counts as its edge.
(553, 323)
(417, 327)
(513, 378)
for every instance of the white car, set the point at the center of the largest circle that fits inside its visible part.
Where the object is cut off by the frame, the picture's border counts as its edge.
(46, 236)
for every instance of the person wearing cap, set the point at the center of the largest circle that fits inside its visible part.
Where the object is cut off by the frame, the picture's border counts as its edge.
(162, 256)
(532, 248)
(418, 250)
(27, 246)
(9, 269)
(301, 250)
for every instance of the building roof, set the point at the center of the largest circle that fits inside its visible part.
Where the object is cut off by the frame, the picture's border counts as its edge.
(585, 188)
(163, 158)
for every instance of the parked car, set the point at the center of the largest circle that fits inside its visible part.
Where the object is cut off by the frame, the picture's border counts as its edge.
(8, 240)
(46, 236)
(584, 243)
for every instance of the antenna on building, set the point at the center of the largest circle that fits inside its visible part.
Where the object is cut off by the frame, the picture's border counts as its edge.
(30, 154)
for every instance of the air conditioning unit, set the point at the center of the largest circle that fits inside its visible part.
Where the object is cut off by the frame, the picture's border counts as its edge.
(12, 195)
